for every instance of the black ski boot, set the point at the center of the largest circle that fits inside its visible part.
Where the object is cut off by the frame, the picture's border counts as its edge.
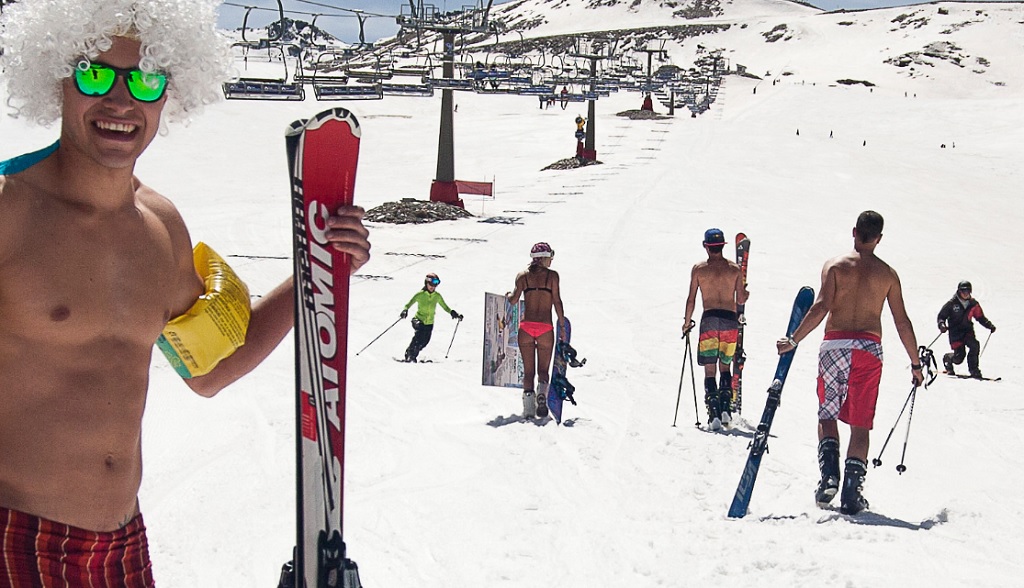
(712, 400)
(542, 400)
(947, 363)
(725, 396)
(852, 501)
(828, 463)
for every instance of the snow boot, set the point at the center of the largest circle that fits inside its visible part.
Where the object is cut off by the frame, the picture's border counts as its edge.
(947, 363)
(529, 404)
(713, 402)
(852, 501)
(828, 464)
(542, 400)
(976, 374)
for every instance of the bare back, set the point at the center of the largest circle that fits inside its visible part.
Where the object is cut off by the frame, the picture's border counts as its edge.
(86, 286)
(541, 293)
(856, 286)
(720, 282)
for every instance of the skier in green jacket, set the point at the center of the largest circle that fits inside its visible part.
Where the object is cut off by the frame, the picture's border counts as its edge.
(426, 301)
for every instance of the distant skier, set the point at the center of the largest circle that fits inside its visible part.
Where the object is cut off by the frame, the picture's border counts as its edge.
(648, 103)
(720, 282)
(539, 285)
(955, 318)
(854, 287)
(426, 301)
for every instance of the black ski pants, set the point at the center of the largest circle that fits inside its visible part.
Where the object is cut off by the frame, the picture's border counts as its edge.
(419, 339)
(968, 348)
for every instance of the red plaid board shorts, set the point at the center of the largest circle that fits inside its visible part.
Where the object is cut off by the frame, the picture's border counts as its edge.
(849, 371)
(38, 553)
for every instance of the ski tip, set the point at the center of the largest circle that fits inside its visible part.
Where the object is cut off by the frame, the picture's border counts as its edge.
(337, 114)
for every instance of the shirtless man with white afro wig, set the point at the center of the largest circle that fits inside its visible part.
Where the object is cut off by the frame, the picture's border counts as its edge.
(97, 270)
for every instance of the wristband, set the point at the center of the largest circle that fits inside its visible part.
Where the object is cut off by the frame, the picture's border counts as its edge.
(791, 341)
(915, 366)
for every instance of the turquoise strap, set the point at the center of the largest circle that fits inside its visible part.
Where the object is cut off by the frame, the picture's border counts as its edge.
(23, 162)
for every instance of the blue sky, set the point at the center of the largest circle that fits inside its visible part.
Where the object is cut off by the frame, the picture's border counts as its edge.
(347, 29)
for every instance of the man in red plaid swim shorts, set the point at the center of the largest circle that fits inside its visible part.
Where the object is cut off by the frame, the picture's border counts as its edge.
(854, 288)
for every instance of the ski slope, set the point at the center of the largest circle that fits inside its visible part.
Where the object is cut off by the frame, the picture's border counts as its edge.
(447, 487)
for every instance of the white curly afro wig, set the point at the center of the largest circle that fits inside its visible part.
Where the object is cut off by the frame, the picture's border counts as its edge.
(43, 40)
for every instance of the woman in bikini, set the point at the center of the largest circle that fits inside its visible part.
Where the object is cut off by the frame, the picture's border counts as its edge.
(539, 287)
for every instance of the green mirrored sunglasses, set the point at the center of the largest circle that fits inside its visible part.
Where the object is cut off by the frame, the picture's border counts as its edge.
(99, 78)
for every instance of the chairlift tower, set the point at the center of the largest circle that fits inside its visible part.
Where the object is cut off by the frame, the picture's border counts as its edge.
(419, 16)
(653, 47)
(594, 49)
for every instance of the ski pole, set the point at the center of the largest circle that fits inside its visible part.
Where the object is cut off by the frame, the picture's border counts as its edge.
(453, 337)
(929, 346)
(693, 377)
(378, 336)
(682, 373)
(878, 460)
(910, 416)
(679, 394)
(985, 345)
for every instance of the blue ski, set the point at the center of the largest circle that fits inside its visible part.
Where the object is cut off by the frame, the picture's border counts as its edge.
(759, 444)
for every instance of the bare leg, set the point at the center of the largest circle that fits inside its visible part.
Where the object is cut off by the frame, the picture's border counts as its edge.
(527, 349)
(828, 429)
(859, 441)
(545, 345)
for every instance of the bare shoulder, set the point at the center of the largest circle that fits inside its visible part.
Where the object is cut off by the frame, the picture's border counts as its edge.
(158, 203)
(13, 215)
(886, 271)
(168, 215)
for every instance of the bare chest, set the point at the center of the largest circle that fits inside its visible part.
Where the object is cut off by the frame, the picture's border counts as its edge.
(84, 281)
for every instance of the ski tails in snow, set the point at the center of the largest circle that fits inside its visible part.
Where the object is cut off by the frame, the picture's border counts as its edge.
(759, 444)
(322, 156)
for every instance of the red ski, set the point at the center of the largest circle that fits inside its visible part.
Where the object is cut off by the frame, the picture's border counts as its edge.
(322, 156)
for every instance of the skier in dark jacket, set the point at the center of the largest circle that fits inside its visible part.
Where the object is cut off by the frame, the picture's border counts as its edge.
(956, 319)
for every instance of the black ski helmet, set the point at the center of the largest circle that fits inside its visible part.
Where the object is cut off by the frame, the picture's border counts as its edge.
(964, 285)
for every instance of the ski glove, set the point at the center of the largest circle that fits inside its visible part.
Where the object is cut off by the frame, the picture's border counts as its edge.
(943, 328)
(992, 328)
(405, 313)
(456, 315)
